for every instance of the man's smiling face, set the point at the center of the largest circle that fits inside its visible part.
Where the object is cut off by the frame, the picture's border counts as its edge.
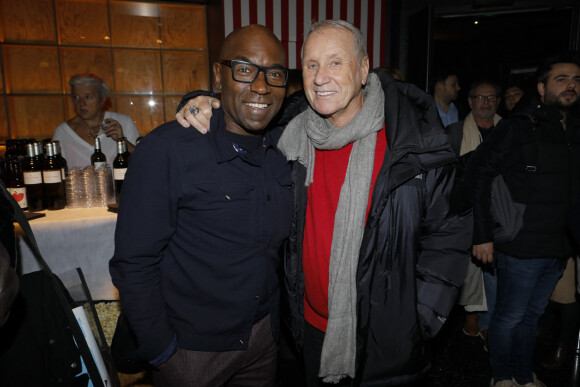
(333, 75)
(249, 107)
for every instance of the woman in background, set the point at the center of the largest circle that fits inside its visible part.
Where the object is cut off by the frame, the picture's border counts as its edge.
(511, 97)
(77, 136)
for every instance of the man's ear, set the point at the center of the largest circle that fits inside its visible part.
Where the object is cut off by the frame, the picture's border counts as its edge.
(542, 89)
(364, 69)
(217, 77)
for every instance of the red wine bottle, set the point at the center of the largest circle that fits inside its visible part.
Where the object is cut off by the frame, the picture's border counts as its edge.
(120, 165)
(32, 171)
(98, 159)
(54, 193)
(16, 185)
(62, 160)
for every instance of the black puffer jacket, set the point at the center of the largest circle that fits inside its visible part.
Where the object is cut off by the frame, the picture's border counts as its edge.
(414, 252)
(533, 137)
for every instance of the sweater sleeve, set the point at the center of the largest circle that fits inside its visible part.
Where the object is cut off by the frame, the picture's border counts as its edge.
(146, 222)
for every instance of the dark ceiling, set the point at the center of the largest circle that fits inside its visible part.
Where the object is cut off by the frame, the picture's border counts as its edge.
(503, 47)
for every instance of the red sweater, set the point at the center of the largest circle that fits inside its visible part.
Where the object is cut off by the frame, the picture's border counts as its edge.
(323, 194)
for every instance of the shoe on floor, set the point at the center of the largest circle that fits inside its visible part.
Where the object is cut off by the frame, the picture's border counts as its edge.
(558, 359)
(503, 383)
(470, 327)
(536, 383)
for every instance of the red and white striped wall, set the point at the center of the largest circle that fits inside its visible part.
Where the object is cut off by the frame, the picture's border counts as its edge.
(290, 20)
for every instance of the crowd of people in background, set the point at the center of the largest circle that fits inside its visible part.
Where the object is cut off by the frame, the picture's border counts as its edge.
(510, 283)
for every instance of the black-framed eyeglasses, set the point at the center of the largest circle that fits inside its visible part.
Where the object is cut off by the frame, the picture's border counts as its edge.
(247, 72)
(481, 98)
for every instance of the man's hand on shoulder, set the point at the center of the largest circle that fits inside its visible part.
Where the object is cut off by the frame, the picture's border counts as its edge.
(202, 107)
(483, 252)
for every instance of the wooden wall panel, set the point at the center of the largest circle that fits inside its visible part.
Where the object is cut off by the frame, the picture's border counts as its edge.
(3, 118)
(134, 24)
(137, 72)
(149, 53)
(183, 27)
(31, 69)
(146, 112)
(86, 60)
(184, 71)
(83, 22)
(170, 104)
(34, 116)
(30, 21)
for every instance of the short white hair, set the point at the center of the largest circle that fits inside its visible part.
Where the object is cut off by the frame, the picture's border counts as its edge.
(359, 41)
(91, 80)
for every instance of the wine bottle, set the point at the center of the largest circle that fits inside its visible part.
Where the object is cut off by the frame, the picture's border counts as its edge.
(4, 170)
(16, 185)
(54, 193)
(32, 171)
(62, 160)
(98, 159)
(120, 165)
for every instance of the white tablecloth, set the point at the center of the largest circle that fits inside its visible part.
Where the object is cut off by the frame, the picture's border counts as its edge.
(72, 238)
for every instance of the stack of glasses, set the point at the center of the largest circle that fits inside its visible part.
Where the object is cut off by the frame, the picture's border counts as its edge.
(87, 187)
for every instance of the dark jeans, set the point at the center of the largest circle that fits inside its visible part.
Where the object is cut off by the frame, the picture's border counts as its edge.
(524, 288)
(255, 366)
(490, 285)
(313, 339)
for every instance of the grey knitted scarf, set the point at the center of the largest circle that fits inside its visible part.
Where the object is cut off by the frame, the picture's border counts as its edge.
(305, 133)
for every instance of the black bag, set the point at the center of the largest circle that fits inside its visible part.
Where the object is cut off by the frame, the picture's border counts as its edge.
(41, 343)
(508, 216)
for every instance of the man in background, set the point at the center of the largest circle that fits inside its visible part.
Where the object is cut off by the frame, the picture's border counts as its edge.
(445, 91)
(466, 135)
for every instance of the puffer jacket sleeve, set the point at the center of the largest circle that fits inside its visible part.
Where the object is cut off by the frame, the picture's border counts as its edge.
(444, 251)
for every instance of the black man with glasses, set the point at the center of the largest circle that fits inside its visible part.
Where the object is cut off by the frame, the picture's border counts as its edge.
(201, 227)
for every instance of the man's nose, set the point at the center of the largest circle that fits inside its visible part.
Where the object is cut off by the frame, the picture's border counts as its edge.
(260, 85)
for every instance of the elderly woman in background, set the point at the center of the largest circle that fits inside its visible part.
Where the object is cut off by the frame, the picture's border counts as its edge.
(77, 135)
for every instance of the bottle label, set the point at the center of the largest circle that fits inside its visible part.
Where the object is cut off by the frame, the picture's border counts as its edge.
(31, 178)
(51, 177)
(62, 174)
(100, 164)
(119, 173)
(19, 194)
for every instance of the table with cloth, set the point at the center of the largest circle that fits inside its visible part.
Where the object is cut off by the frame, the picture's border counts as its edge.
(71, 238)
